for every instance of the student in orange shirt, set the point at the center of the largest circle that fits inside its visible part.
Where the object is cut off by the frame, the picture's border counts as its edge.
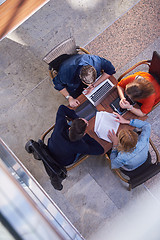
(140, 87)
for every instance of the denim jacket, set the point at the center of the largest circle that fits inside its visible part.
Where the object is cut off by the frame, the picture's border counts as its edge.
(132, 160)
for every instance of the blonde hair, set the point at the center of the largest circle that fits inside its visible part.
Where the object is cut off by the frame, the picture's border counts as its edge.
(127, 140)
(88, 74)
(139, 88)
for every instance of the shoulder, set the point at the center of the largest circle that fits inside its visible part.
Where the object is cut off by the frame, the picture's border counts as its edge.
(126, 80)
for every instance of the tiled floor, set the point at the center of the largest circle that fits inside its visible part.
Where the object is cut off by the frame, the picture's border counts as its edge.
(93, 198)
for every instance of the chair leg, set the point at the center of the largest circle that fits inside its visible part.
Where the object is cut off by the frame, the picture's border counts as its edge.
(130, 187)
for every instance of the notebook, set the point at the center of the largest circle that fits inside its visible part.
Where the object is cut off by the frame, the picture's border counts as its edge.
(100, 92)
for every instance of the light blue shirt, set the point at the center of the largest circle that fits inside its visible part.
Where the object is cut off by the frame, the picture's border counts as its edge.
(132, 160)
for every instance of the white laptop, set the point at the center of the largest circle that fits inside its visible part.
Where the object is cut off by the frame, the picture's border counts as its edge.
(100, 92)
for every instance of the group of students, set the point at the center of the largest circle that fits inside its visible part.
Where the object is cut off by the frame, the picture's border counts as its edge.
(68, 142)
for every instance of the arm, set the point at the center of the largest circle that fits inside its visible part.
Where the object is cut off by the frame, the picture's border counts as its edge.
(121, 86)
(136, 111)
(64, 111)
(107, 66)
(120, 92)
(108, 69)
(89, 146)
(116, 161)
(72, 102)
(60, 82)
(145, 126)
(126, 105)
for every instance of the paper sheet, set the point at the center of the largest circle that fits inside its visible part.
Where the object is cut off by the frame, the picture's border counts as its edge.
(103, 123)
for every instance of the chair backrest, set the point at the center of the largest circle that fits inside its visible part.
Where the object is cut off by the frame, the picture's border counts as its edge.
(60, 53)
(151, 171)
(66, 47)
(140, 170)
(154, 67)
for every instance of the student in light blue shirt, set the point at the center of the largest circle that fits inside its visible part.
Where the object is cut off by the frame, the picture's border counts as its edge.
(130, 150)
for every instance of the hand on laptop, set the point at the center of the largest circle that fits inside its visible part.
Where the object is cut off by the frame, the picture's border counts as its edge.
(88, 90)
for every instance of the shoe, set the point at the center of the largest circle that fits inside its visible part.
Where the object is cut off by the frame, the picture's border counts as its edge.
(56, 183)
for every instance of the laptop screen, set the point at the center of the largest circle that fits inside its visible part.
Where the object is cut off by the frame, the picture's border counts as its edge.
(100, 92)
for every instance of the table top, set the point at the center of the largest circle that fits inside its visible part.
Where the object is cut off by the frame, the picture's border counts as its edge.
(105, 106)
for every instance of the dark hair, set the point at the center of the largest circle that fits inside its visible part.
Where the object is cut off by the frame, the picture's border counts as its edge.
(140, 88)
(77, 129)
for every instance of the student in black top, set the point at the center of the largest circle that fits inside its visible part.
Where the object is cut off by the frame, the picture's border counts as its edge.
(67, 143)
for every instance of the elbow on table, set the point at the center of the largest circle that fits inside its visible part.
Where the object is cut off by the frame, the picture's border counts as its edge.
(142, 114)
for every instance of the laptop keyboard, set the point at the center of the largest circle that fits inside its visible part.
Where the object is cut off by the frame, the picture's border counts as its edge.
(101, 91)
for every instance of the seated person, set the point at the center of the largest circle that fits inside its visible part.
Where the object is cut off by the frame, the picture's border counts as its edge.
(78, 72)
(67, 143)
(140, 87)
(130, 150)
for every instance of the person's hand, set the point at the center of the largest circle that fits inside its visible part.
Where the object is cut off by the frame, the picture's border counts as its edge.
(122, 100)
(88, 89)
(124, 104)
(73, 102)
(120, 119)
(112, 136)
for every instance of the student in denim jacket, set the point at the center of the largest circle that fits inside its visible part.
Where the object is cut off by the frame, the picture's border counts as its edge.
(130, 150)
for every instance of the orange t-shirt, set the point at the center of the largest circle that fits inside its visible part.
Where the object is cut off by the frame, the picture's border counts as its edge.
(149, 102)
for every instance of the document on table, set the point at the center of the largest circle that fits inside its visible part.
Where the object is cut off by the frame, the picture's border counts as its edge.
(103, 123)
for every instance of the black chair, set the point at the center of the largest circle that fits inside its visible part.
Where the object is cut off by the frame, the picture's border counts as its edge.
(56, 172)
(73, 165)
(141, 174)
(153, 69)
(60, 53)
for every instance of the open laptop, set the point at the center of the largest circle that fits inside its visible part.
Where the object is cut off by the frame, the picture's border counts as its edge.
(100, 92)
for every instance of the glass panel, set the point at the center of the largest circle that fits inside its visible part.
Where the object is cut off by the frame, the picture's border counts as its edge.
(27, 207)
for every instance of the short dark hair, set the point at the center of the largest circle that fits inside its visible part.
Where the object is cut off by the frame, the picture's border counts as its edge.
(77, 129)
